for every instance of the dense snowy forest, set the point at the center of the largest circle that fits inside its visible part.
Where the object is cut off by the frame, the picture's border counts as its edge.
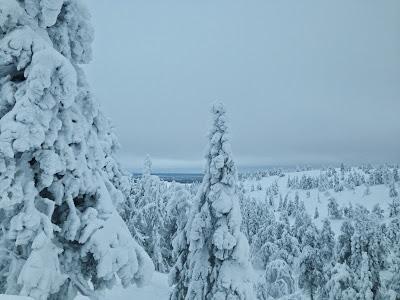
(330, 233)
(77, 225)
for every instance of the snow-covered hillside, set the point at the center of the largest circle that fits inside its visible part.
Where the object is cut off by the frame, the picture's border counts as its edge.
(157, 289)
(9, 297)
(314, 198)
(268, 198)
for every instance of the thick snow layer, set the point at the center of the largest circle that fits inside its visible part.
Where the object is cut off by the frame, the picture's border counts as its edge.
(9, 297)
(157, 289)
(60, 184)
(378, 194)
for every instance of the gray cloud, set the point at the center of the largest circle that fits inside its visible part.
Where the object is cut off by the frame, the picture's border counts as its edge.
(304, 81)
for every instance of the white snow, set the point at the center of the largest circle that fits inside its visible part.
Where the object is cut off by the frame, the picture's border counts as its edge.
(378, 194)
(157, 289)
(9, 297)
(58, 171)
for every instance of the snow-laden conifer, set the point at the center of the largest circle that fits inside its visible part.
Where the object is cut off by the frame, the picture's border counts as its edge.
(217, 262)
(277, 281)
(364, 280)
(327, 242)
(147, 166)
(316, 213)
(59, 181)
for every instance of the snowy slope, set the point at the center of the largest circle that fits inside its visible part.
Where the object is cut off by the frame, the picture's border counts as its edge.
(9, 297)
(157, 290)
(378, 194)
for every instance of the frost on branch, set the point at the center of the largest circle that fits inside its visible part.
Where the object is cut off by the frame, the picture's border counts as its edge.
(72, 34)
(45, 11)
(59, 181)
(41, 273)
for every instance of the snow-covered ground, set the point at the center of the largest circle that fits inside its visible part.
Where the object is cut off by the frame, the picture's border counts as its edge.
(157, 289)
(378, 194)
(9, 297)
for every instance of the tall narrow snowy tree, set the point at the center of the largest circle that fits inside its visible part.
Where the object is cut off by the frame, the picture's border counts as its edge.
(311, 267)
(316, 213)
(396, 176)
(364, 284)
(180, 208)
(218, 256)
(147, 166)
(327, 242)
(59, 181)
(340, 284)
(145, 213)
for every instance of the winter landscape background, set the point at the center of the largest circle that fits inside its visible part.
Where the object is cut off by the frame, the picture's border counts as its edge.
(111, 187)
(304, 83)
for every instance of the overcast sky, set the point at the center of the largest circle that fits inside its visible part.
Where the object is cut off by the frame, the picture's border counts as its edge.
(303, 81)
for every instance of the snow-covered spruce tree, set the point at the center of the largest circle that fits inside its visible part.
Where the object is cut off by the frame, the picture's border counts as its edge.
(378, 211)
(334, 211)
(316, 213)
(150, 217)
(218, 256)
(278, 281)
(274, 241)
(393, 234)
(280, 204)
(368, 238)
(302, 223)
(364, 284)
(291, 208)
(59, 182)
(145, 213)
(394, 280)
(340, 283)
(327, 242)
(147, 166)
(396, 176)
(178, 211)
(311, 271)
(392, 190)
(343, 248)
(255, 216)
(394, 207)
(338, 186)
(348, 211)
